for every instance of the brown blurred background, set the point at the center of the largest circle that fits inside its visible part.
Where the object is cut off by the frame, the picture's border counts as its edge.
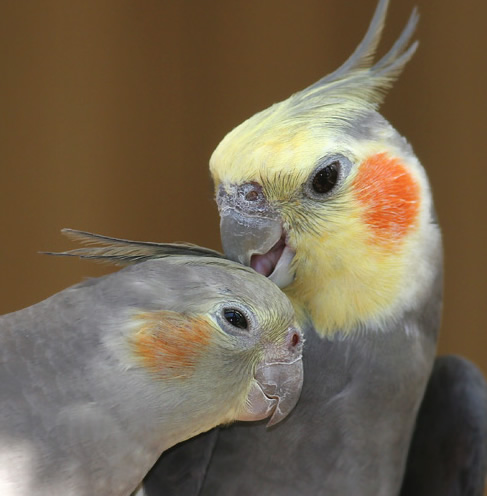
(109, 111)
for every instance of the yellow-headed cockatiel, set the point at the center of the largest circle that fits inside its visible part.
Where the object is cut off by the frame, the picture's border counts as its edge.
(99, 379)
(322, 195)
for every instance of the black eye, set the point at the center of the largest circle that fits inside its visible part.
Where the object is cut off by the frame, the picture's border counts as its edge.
(326, 178)
(235, 318)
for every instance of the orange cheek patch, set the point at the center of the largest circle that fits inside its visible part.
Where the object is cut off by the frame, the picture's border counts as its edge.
(169, 344)
(390, 197)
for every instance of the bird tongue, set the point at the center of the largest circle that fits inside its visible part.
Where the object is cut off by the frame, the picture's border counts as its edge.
(266, 263)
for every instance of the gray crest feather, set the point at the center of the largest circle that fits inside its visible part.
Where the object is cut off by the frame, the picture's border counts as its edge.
(358, 78)
(125, 252)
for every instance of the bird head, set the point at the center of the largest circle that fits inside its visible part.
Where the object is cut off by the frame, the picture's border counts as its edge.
(217, 339)
(322, 195)
(227, 336)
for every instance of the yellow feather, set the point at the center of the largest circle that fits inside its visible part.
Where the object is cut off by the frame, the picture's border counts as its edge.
(343, 281)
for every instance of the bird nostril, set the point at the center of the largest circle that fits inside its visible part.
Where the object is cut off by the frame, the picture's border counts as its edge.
(295, 339)
(252, 196)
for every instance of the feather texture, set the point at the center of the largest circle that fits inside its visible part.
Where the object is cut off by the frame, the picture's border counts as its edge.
(125, 252)
(358, 77)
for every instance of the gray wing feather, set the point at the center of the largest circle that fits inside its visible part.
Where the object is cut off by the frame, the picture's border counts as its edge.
(181, 471)
(448, 453)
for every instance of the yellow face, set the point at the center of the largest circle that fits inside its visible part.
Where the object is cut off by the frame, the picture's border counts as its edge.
(342, 196)
(356, 211)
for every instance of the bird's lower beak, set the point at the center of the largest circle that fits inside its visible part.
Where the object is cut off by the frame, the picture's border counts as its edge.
(274, 391)
(259, 242)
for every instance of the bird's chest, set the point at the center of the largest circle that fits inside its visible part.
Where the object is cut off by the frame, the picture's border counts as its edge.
(351, 428)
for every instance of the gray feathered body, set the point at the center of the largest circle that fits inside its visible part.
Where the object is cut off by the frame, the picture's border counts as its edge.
(66, 426)
(349, 433)
(79, 415)
(337, 442)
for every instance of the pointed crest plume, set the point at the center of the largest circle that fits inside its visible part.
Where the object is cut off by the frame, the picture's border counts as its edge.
(359, 79)
(125, 252)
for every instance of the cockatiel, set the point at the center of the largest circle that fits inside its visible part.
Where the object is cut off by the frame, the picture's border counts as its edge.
(322, 195)
(99, 379)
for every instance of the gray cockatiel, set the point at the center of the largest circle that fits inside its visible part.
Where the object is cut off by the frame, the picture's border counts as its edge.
(323, 196)
(99, 379)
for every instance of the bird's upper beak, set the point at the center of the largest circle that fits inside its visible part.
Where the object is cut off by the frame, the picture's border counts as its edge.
(252, 232)
(277, 383)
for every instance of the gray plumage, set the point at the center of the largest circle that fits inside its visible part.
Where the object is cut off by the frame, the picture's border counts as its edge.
(82, 414)
(448, 454)
(336, 432)
(125, 252)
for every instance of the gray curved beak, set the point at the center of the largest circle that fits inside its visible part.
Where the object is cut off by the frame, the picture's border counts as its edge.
(243, 235)
(275, 391)
(283, 382)
(248, 223)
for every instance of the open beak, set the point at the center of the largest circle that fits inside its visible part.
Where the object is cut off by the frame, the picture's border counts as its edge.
(252, 234)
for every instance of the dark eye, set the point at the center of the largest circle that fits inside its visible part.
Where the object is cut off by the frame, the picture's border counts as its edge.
(235, 318)
(326, 178)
